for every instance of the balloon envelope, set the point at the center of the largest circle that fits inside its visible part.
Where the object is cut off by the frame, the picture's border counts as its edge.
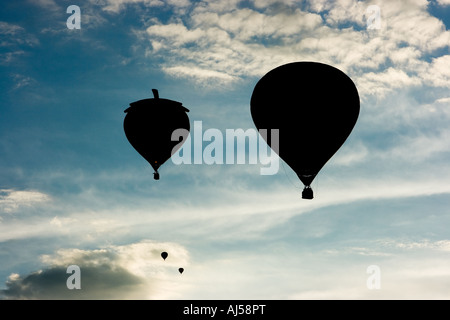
(164, 255)
(315, 107)
(180, 270)
(149, 125)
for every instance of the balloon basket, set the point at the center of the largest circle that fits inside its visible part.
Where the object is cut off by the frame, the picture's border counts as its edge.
(307, 193)
(156, 175)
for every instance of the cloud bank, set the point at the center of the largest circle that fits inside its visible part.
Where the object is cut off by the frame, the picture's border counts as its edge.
(133, 271)
(218, 44)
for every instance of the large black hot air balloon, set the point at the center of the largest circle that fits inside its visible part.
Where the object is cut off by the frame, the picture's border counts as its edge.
(149, 125)
(315, 107)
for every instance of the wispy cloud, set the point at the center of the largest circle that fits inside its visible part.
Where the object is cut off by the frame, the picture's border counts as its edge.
(14, 41)
(22, 81)
(50, 5)
(13, 35)
(439, 245)
(11, 200)
(116, 6)
(443, 2)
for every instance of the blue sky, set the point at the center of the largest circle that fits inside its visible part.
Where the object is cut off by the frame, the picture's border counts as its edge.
(74, 191)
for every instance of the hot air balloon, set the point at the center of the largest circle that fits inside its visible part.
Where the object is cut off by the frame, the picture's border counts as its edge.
(164, 255)
(149, 124)
(315, 107)
(180, 270)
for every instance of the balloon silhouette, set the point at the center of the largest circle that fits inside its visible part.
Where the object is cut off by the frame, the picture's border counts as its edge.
(314, 106)
(149, 125)
(180, 270)
(164, 255)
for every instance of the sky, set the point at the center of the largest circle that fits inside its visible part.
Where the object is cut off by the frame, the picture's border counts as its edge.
(73, 191)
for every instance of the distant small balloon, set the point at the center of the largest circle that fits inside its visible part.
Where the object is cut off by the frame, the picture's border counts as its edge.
(164, 255)
(181, 270)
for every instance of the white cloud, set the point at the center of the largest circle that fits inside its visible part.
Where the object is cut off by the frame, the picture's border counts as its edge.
(343, 11)
(443, 100)
(60, 222)
(443, 2)
(417, 149)
(177, 34)
(244, 24)
(439, 245)
(11, 200)
(352, 154)
(241, 42)
(205, 76)
(381, 83)
(438, 72)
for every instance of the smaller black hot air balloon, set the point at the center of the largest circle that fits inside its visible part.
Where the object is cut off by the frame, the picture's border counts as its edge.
(149, 125)
(164, 255)
(180, 270)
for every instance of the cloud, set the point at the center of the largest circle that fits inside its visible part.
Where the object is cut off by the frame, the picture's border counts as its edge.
(243, 207)
(14, 41)
(116, 6)
(9, 57)
(418, 149)
(439, 245)
(133, 271)
(341, 11)
(14, 35)
(443, 2)
(381, 83)
(438, 72)
(11, 200)
(354, 153)
(204, 76)
(22, 81)
(49, 5)
(443, 100)
(268, 238)
(244, 41)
